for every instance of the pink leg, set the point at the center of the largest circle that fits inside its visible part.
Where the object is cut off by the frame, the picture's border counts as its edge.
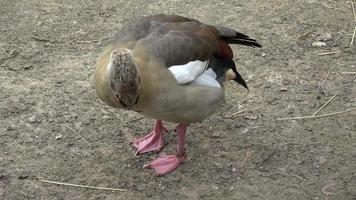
(151, 142)
(168, 163)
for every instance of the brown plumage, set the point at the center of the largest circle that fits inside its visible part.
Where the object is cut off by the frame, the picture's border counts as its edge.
(133, 73)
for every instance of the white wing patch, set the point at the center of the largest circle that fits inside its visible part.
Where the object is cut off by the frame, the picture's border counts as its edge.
(208, 78)
(195, 73)
(188, 72)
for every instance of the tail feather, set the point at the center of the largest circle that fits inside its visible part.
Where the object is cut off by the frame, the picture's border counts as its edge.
(243, 41)
(234, 37)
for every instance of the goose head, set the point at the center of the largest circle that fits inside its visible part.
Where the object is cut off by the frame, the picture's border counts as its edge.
(124, 78)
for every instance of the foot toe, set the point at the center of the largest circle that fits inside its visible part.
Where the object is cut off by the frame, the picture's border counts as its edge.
(165, 164)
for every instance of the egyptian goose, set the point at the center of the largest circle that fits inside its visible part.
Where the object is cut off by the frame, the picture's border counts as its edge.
(169, 68)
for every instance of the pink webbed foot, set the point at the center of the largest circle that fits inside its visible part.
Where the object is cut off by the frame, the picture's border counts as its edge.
(151, 142)
(168, 163)
(165, 164)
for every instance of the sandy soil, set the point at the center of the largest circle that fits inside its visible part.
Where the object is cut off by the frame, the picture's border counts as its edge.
(53, 127)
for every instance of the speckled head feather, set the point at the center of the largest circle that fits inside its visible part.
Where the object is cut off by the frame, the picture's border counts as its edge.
(124, 78)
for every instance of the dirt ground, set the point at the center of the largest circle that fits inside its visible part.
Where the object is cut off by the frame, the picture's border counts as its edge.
(53, 127)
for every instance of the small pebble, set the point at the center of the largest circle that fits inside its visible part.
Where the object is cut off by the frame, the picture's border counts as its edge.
(32, 119)
(59, 81)
(59, 136)
(141, 187)
(234, 169)
(10, 128)
(23, 176)
(251, 117)
(319, 44)
(106, 117)
(215, 135)
(244, 131)
(322, 160)
(27, 67)
(2, 177)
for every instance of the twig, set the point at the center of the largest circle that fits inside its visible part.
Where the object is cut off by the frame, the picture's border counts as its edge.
(328, 53)
(290, 173)
(42, 39)
(73, 56)
(326, 77)
(332, 12)
(303, 36)
(239, 169)
(348, 73)
(233, 115)
(248, 153)
(82, 186)
(297, 176)
(318, 116)
(77, 134)
(88, 41)
(340, 34)
(353, 36)
(101, 40)
(135, 119)
(324, 105)
(322, 85)
(338, 75)
(353, 9)
(11, 55)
